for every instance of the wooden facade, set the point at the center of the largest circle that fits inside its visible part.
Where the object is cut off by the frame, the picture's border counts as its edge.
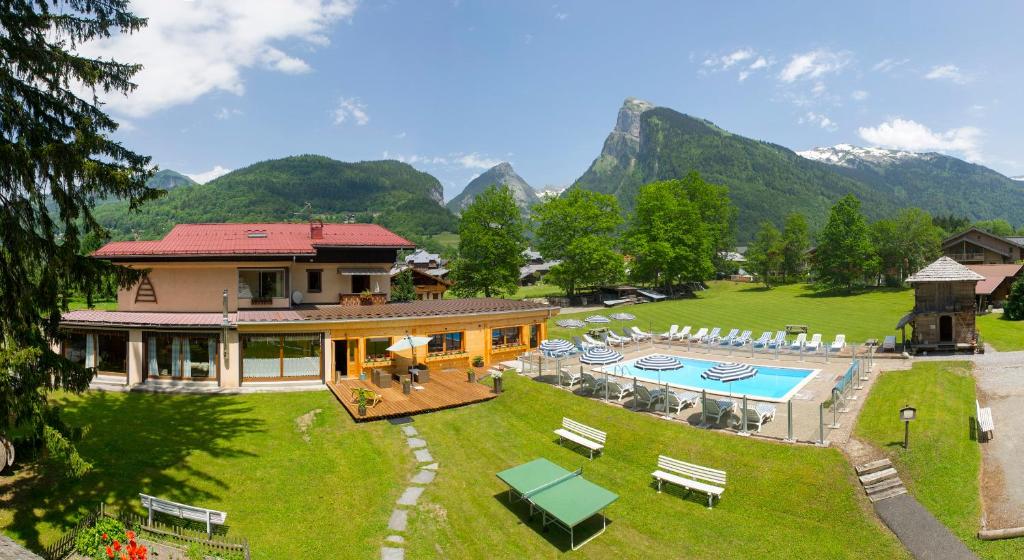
(944, 308)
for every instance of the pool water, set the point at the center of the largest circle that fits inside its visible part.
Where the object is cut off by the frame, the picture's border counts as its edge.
(770, 383)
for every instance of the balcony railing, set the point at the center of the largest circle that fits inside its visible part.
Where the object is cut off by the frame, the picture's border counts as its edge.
(967, 257)
(363, 299)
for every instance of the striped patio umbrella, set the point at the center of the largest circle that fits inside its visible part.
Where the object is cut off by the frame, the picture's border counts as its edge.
(623, 316)
(598, 319)
(557, 346)
(727, 372)
(600, 356)
(570, 323)
(657, 362)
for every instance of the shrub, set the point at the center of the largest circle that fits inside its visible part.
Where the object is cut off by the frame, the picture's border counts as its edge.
(92, 542)
(478, 361)
(1014, 307)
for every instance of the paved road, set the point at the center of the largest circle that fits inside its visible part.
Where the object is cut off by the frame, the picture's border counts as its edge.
(919, 531)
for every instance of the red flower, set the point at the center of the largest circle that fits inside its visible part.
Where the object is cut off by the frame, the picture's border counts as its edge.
(110, 553)
(117, 545)
(130, 535)
(105, 537)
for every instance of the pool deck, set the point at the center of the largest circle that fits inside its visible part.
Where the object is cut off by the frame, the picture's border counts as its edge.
(805, 402)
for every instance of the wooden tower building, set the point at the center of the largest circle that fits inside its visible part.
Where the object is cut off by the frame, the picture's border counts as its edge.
(944, 308)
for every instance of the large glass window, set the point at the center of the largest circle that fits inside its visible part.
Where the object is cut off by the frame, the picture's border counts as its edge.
(534, 335)
(76, 346)
(185, 356)
(261, 283)
(377, 348)
(112, 351)
(453, 342)
(506, 336)
(445, 343)
(281, 356)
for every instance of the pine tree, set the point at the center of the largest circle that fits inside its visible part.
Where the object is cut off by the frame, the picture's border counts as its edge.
(56, 149)
(492, 239)
(845, 255)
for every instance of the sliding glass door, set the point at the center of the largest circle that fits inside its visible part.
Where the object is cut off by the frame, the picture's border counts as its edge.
(186, 356)
(276, 357)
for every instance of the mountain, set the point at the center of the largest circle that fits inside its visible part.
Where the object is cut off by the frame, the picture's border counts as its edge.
(168, 179)
(550, 192)
(938, 183)
(386, 192)
(501, 174)
(766, 181)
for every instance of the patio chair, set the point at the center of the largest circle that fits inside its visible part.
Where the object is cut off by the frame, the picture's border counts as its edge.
(763, 341)
(742, 339)
(838, 344)
(676, 400)
(814, 344)
(799, 341)
(758, 415)
(713, 336)
(615, 391)
(718, 408)
(589, 384)
(578, 342)
(699, 335)
(670, 334)
(639, 334)
(727, 339)
(683, 334)
(567, 378)
(779, 341)
(618, 340)
(642, 398)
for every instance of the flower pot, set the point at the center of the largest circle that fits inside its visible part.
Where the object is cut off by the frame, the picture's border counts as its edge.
(406, 387)
(471, 376)
(362, 410)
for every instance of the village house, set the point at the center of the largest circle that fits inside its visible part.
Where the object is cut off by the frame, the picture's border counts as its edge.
(429, 273)
(977, 246)
(943, 317)
(230, 305)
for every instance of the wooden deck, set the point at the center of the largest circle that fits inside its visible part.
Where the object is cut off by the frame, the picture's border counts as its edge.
(446, 389)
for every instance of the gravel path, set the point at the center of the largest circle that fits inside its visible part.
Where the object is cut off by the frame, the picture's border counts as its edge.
(1000, 378)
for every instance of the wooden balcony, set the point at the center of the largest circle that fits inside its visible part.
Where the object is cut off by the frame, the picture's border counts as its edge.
(360, 299)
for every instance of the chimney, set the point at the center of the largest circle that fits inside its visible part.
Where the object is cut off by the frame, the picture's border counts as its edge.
(316, 229)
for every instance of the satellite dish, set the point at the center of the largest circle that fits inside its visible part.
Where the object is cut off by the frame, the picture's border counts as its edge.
(296, 297)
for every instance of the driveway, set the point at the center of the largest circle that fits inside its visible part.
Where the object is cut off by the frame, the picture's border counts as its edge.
(1001, 386)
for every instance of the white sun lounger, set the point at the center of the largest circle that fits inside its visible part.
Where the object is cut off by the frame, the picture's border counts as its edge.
(641, 335)
(800, 340)
(838, 344)
(683, 334)
(814, 343)
(758, 415)
(676, 400)
(591, 341)
(670, 333)
(742, 339)
(614, 390)
(718, 408)
(779, 341)
(617, 340)
(727, 339)
(699, 335)
(763, 341)
(713, 336)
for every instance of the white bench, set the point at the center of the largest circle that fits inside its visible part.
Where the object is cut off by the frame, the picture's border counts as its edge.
(581, 434)
(691, 477)
(209, 516)
(986, 425)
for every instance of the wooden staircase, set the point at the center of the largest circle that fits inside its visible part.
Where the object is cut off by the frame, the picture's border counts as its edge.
(880, 480)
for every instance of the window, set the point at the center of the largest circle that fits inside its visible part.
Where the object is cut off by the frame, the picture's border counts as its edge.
(281, 356)
(445, 343)
(360, 283)
(112, 352)
(505, 336)
(76, 346)
(377, 348)
(314, 281)
(534, 335)
(185, 356)
(261, 284)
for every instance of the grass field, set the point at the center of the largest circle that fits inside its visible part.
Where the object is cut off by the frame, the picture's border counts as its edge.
(327, 497)
(102, 304)
(1003, 335)
(871, 314)
(941, 467)
(780, 501)
(537, 290)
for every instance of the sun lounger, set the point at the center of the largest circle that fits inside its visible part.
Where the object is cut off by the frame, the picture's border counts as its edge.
(682, 334)
(670, 334)
(640, 335)
(838, 344)
(799, 341)
(618, 340)
(742, 339)
(889, 344)
(764, 339)
(690, 476)
(718, 408)
(642, 398)
(758, 415)
(713, 336)
(676, 400)
(592, 342)
(568, 378)
(615, 391)
(727, 339)
(699, 335)
(779, 341)
(579, 343)
(589, 384)
(814, 343)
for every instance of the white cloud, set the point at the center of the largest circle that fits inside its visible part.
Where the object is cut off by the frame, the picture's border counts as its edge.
(476, 161)
(207, 176)
(819, 88)
(859, 95)
(460, 160)
(760, 63)
(190, 49)
(819, 120)
(401, 135)
(351, 109)
(737, 58)
(561, 16)
(224, 113)
(947, 72)
(888, 64)
(813, 64)
(905, 134)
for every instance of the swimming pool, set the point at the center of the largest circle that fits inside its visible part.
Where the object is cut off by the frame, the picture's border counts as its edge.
(771, 383)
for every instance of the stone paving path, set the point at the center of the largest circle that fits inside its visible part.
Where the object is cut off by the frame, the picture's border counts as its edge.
(426, 471)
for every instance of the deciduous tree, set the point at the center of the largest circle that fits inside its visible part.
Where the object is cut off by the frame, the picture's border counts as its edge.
(492, 238)
(795, 242)
(845, 255)
(905, 243)
(765, 256)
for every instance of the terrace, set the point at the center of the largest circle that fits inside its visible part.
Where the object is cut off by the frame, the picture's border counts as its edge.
(447, 388)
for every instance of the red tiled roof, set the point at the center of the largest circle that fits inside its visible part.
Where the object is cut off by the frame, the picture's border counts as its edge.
(994, 275)
(254, 239)
(145, 319)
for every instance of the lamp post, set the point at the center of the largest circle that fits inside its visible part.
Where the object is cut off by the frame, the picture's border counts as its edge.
(907, 413)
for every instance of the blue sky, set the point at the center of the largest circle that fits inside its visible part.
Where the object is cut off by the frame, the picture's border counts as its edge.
(456, 86)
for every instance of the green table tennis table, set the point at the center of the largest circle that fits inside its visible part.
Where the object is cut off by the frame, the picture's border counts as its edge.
(563, 497)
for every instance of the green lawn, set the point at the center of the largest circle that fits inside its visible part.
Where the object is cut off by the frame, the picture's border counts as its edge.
(102, 304)
(1002, 334)
(781, 501)
(871, 314)
(326, 498)
(538, 290)
(941, 468)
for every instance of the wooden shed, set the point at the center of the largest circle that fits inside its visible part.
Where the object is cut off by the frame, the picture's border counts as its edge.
(944, 307)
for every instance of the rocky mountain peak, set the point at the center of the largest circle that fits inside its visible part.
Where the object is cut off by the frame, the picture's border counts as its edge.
(501, 174)
(628, 121)
(848, 155)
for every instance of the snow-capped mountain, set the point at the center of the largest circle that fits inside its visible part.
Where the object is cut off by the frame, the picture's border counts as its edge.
(550, 192)
(1018, 178)
(848, 155)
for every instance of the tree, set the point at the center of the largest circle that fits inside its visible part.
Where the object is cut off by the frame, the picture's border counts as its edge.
(579, 229)
(1001, 228)
(905, 243)
(667, 237)
(951, 224)
(717, 211)
(56, 149)
(845, 255)
(766, 255)
(795, 242)
(491, 244)
(402, 288)
(1013, 309)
